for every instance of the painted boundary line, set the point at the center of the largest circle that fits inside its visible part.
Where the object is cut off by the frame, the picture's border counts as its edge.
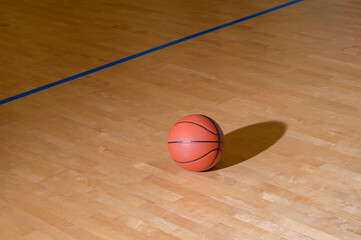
(108, 65)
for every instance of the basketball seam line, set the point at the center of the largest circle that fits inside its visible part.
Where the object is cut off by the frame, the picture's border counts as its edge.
(198, 125)
(194, 142)
(219, 140)
(199, 157)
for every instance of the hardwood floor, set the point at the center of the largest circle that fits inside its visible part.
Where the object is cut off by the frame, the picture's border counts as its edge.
(88, 159)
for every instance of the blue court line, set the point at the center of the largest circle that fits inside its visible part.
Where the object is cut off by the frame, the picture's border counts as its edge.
(79, 75)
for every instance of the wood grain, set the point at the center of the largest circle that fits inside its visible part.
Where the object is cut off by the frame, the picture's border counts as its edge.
(88, 160)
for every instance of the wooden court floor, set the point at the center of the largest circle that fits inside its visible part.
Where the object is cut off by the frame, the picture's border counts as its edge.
(88, 159)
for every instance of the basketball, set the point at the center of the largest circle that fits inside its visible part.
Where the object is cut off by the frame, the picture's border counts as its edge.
(196, 142)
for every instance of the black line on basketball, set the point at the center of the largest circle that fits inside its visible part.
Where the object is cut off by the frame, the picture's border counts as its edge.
(194, 142)
(219, 141)
(214, 158)
(198, 125)
(199, 157)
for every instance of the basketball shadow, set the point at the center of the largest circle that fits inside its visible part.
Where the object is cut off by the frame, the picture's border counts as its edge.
(249, 141)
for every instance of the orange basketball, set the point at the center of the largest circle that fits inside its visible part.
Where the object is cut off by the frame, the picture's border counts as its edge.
(196, 142)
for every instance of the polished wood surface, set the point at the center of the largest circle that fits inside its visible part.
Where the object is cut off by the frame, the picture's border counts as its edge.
(88, 160)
